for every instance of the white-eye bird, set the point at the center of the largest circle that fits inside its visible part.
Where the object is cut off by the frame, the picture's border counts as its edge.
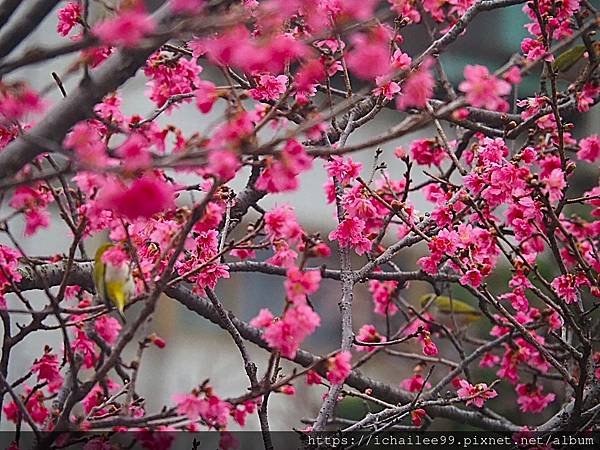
(449, 312)
(114, 284)
(570, 64)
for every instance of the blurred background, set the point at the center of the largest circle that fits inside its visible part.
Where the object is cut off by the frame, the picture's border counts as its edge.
(196, 349)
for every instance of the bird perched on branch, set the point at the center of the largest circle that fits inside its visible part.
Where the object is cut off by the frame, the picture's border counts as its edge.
(114, 282)
(571, 63)
(449, 312)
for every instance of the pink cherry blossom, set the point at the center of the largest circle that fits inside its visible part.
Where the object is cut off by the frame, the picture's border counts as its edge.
(281, 223)
(513, 75)
(47, 369)
(18, 100)
(127, 29)
(489, 360)
(69, 17)
(299, 284)
(415, 383)
(472, 278)
(589, 148)
(427, 152)
(418, 88)
(281, 173)
(206, 95)
(401, 60)
(339, 367)
(108, 328)
(289, 332)
(313, 378)
(190, 405)
(418, 416)
(224, 164)
(263, 319)
(534, 49)
(86, 141)
(429, 347)
(368, 333)
(12, 412)
(566, 287)
(476, 394)
(9, 261)
(587, 96)
(383, 293)
(179, 77)
(85, 347)
(386, 88)
(145, 197)
(370, 57)
(33, 203)
(35, 405)
(531, 399)
(344, 169)
(269, 87)
(555, 184)
(484, 90)
(349, 234)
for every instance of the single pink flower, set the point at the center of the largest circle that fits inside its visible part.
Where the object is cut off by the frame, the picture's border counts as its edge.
(386, 88)
(429, 347)
(210, 275)
(281, 173)
(370, 56)
(47, 369)
(287, 333)
(427, 152)
(589, 148)
(471, 278)
(299, 284)
(484, 90)
(418, 88)
(566, 287)
(368, 333)
(417, 416)
(224, 164)
(206, 95)
(344, 169)
(127, 29)
(476, 394)
(350, 234)
(69, 16)
(489, 360)
(108, 328)
(555, 184)
(145, 197)
(383, 293)
(587, 96)
(281, 223)
(415, 383)
(339, 367)
(189, 405)
(531, 399)
(313, 378)
(268, 87)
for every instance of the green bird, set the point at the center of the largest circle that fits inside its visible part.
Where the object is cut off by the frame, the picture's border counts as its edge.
(114, 284)
(570, 64)
(447, 312)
